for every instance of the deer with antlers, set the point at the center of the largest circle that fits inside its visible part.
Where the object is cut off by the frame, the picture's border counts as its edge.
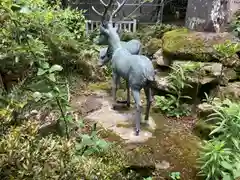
(137, 70)
(133, 46)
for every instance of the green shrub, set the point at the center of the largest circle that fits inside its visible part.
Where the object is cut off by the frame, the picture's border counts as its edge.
(33, 32)
(25, 155)
(235, 24)
(220, 157)
(127, 36)
(155, 31)
(172, 104)
(152, 46)
(46, 40)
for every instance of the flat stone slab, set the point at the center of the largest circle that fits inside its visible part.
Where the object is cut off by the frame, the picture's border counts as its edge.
(121, 123)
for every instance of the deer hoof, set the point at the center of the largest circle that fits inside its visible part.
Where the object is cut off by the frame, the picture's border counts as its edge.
(113, 107)
(137, 132)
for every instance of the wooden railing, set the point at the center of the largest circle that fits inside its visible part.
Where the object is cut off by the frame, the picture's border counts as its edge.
(130, 26)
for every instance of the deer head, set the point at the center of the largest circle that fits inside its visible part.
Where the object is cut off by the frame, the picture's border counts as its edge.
(106, 29)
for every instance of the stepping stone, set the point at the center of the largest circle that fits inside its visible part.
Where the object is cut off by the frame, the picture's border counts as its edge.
(111, 120)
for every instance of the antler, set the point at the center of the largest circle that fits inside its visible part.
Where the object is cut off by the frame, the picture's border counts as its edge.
(105, 10)
(119, 6)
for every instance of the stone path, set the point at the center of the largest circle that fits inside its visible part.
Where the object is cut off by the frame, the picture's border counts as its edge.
(120, 123)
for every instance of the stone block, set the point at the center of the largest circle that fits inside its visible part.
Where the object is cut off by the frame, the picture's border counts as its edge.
(207, 15)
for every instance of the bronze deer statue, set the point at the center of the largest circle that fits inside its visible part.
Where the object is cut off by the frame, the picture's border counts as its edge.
(134, 46)
(137, 70)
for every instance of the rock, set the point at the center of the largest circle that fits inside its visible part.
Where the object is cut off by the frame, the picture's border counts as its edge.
(152, 46)
(204, 109)
(203, 129)
(183, 44)
(86, 105)
(207, 72)
(121, 123)
(161, 85)
(231, 91)
(201, 19)
(213, 69)
(230, 74)
(204, 68)
(159, 60)
(162, 165)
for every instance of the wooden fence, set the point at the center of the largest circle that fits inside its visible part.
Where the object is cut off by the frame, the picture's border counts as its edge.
(130, 26)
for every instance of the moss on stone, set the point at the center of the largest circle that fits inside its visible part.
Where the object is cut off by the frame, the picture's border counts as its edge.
(153, 46)
(99, 86)
(202, 129)
(184, 44)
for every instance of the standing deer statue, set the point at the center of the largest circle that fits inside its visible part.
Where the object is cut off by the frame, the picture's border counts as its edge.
(137, 70)
(133, 46)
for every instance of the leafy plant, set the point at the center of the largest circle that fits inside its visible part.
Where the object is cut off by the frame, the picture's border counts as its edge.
(220, 156)
(214, 157)
(91, 144)
(42, 40)
(227, 49)
(175, 175)
(172, 104)
(148, 178)
(48, 74)
(235, 24)
(23, 155)
(207, 99)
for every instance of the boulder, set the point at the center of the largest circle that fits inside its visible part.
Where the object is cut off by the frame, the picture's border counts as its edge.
(160, 60)
(161, 85)
(183, 44)
(204, 110)
(230, 74)
(152, 46)
(204, 68)
(207, 72)
(199, 72)
(231, 91)
(203, 129)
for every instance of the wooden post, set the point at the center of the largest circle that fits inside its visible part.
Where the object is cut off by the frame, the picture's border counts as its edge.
(134, 25)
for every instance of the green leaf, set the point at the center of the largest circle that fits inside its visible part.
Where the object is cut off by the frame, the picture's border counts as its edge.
(102, 144)
(52, 78)
(69, 118)
(55, 68)
(227, 177)
(226, 165)
(236, 173)
(56, 89)
(86, 140)
(49, 95)
(45, 65)
(41, 71)
(37, 96)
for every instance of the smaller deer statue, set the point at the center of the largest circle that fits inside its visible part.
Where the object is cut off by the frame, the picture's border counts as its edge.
(134, 46)
(137, 70)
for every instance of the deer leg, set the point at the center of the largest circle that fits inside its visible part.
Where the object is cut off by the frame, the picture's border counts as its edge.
(136, 96)
(149, 99)
(115, 79)
(128, 96)
(128, 93)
